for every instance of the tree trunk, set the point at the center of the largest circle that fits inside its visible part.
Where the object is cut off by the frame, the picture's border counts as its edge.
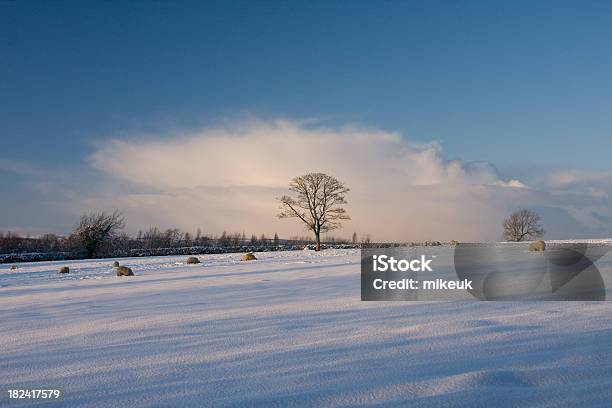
(318, 238)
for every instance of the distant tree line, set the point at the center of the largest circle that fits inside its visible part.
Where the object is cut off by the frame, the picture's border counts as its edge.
(153, 238)
(100, 234)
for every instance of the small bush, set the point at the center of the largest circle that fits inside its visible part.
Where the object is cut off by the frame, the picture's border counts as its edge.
(64, 269)
(13, 267)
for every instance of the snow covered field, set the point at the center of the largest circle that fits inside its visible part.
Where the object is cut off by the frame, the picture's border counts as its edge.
(286, 330)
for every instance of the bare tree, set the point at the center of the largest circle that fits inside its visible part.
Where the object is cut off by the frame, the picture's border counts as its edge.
(223, 240)
(521, 225)
(96, 228)
(318, 203)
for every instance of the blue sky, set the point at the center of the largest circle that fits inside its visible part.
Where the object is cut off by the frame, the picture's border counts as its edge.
(522, 85)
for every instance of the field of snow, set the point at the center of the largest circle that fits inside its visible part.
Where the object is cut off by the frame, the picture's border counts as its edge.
(286, 330)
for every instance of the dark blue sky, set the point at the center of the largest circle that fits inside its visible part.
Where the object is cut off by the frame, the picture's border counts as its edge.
(481, 77)
(522, 85)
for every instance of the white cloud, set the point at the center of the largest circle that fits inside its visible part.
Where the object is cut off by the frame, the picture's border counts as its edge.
(594, 183)
(510, 183)
(228, 178)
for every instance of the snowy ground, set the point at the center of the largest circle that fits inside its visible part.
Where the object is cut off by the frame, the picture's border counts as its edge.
(287, 330)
